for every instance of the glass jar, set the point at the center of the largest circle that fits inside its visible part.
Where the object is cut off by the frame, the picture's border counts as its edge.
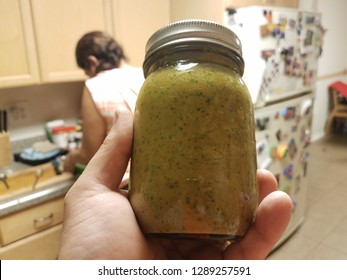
(193, 166)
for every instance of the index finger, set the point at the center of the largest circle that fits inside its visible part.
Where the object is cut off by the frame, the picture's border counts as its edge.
(108, 165)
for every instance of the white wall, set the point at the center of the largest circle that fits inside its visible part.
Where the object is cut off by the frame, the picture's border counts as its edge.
(334, 56)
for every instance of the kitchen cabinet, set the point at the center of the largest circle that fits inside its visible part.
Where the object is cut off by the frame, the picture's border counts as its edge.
(38, 38)
(275, 3)
(33, 233)
(58, 25)
(197, 9)
(19, 225)
(41, 246)
(135, 21)
(18, 57)
(31, 219)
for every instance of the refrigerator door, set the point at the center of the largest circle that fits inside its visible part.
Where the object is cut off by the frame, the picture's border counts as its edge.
(280, 49)
(283, 138)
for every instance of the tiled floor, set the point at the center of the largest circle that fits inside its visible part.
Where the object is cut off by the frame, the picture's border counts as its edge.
(323, 234)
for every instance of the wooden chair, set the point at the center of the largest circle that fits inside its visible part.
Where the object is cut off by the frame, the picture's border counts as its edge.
(337, 92)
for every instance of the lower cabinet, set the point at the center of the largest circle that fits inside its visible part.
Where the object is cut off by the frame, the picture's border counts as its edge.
(41, 246)
(33, 233)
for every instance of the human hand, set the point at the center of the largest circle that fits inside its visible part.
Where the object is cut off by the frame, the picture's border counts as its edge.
(99, 222)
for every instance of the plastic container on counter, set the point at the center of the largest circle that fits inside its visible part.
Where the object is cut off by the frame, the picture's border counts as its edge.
(64, 136)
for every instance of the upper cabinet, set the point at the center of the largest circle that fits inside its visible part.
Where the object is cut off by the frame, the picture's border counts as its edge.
(135, 21)
(18, 57)
(38, 37)
(197, 9)
(275, 3)
(58, 25)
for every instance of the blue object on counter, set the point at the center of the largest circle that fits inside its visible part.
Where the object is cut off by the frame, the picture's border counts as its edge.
(34, 157)
(32, 154)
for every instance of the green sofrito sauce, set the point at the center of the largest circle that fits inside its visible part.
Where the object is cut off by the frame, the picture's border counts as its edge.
(193, 167)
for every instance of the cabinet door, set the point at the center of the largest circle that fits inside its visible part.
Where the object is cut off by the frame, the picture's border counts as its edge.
(135, 21)
(275, 3)
(31, 221)
(18, 59)
(58, 25)
(197, 9)
(41, 246)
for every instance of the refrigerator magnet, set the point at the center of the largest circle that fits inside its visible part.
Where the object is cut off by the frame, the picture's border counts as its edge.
(282, 151)
(262, 123)
(292, 149)
(263, 159)
(288, 113)
(294, 203)
(285, 188)
(288, 171)
(273, 152)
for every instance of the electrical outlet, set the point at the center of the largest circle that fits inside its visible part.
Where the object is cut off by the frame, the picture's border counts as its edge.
(18, 112)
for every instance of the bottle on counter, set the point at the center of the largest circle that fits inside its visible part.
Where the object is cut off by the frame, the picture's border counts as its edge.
(193, 165)
(66, 137)
(60, 137)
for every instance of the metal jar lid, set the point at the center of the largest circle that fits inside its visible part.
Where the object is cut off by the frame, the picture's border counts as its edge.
(195, 31)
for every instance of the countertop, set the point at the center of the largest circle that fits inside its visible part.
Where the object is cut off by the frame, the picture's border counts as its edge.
(27, 194)
(51, 190)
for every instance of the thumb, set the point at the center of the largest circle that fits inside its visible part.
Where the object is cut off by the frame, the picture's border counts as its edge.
(108, 165)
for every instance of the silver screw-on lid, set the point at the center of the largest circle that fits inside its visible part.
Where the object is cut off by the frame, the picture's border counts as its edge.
(195, 30)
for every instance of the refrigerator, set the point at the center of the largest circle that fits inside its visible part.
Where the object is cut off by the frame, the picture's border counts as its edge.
(281, 49)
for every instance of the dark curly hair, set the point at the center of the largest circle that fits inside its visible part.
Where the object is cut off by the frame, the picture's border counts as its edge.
(103, 47)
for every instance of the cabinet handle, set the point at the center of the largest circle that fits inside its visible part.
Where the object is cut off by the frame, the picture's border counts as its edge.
(42, 221)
